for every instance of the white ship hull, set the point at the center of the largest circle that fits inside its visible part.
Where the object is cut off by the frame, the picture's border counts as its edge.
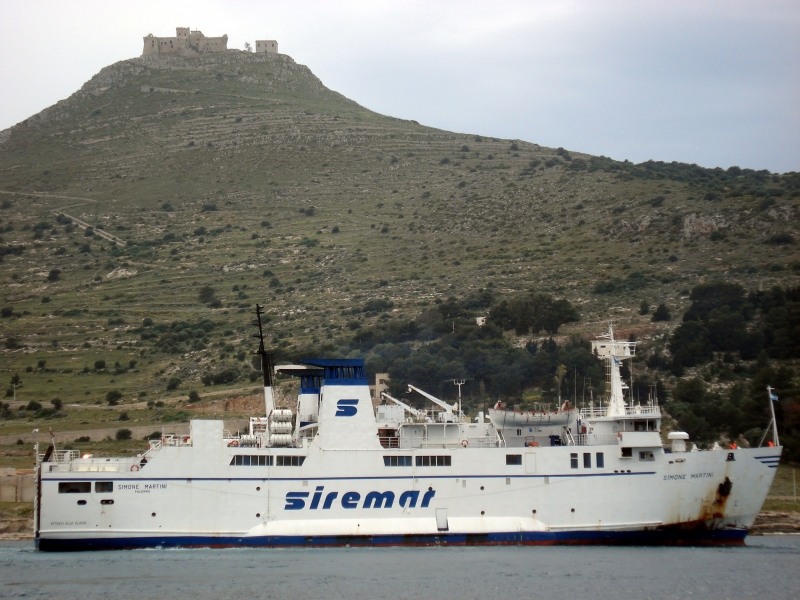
(350, 475)
(190, 497)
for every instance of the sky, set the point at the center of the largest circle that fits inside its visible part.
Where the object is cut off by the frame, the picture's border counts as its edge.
(711, 82)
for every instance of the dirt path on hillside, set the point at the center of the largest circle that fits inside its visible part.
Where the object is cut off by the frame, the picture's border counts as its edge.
(101, 433)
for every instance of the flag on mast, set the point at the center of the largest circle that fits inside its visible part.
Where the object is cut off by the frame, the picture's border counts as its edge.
(773, 397)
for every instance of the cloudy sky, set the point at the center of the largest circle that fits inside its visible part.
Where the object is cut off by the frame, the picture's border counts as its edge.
(715, 83)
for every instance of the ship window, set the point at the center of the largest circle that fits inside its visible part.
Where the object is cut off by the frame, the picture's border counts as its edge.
(513, 459)
(397, 461)
(573, 460)
(290, 461)
(627, 452)
(600, 460)
(103, 487)
(74, 487)
(587, 460)
(251, 460)
(433, 461)
(646, 455)
(519, 431)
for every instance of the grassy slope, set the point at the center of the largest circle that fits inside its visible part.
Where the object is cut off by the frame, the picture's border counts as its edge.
(260, 137)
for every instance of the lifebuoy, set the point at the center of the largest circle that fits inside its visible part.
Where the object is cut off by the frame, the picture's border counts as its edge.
(134, 467)
(464, 443)
(233, 443)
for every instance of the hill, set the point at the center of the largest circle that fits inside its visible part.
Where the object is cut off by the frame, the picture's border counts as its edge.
(143, 217)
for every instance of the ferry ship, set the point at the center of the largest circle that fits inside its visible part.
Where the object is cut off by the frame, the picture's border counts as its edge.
(337, 471)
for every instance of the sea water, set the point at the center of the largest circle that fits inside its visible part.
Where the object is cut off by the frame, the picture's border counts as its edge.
(767, 568)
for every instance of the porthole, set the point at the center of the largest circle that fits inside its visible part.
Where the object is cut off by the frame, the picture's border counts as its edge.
(258, 514)
(81, 502)
(482, 512)
(152, 514)
(481, 487)
(258, 488)
(534, 511)
(572, 510)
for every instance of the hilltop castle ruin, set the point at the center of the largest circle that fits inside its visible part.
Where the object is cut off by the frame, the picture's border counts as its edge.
(189, 43)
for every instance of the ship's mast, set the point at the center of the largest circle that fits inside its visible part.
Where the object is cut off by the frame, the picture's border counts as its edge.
(614, 352)
(266, 364)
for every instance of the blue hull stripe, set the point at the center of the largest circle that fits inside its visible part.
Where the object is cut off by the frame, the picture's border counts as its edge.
(108, 475)
(654, 537)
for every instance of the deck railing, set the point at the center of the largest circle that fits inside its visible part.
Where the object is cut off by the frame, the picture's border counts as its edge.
(600, 411)
(593, 439)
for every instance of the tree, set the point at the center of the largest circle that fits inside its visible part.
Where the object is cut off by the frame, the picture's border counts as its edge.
(123, 434)
(206, 294)
(113, 397)
(248, 47)
(174, 383)
(644, 308)
(661, 313)
(194, 396)
(57, 403)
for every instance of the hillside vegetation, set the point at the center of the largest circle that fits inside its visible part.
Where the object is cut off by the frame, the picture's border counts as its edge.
(144, 216)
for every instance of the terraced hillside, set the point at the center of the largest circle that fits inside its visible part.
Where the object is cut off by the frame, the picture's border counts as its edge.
(144, 216)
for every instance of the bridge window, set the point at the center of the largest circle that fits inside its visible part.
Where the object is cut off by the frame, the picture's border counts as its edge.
(74, 487)
(600, 460)
(433, 461)
(103, 487)
(396, 461)
(573, 460)
(513, 459)
(251, 460)
(587, 460)
(290, 461)
(646, 455)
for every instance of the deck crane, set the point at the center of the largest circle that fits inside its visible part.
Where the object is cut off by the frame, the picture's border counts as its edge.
(419, 414)
(447, 416)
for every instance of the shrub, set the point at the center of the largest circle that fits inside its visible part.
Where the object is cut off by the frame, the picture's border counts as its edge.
(174, 383)
(222, 377)
(124, 417)
(6, 312)
(465, 148)
(444, 161)
(206, 294)
(209, 207)
(780, 239)
(33, 406)
(335, 229)
(45, 299)
(644, 308)
(167, 207)
(661, 313)
(123, 435)
(99, 365)
(83, 439)
(113, 397)
(54, 275)
(194, 396)
(57, 403)
(266, 225)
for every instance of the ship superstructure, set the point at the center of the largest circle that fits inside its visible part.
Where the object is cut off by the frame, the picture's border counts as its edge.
(338, 471)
